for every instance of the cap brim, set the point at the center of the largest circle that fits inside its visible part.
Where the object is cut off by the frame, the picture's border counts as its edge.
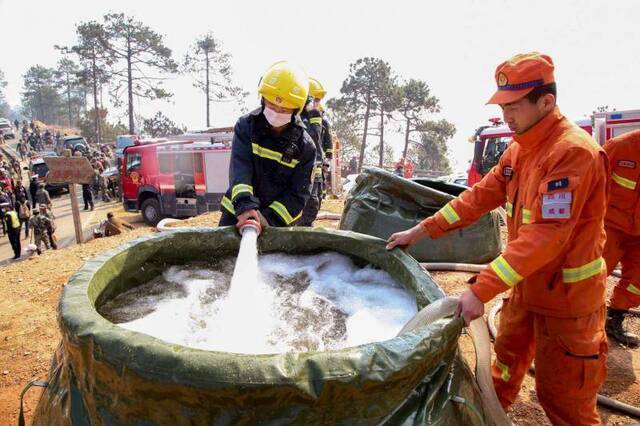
(508, 96)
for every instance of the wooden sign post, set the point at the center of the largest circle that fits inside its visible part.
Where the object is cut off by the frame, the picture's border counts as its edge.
(72, 171)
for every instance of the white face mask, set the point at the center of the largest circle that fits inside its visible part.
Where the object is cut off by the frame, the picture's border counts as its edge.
(276, 119)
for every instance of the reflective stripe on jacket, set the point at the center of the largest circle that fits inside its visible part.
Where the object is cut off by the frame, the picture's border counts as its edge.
(623, 211)
(269, 172)
(553, 181)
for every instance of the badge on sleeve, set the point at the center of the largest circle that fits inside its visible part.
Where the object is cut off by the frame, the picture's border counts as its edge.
(507, 172)
(629, 164)
(558, 184)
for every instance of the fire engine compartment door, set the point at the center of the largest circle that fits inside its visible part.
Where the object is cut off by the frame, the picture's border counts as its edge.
(621, 129)
(178, 183)
(198, 173)
(185, 184)
(600, 130)
(217, 171)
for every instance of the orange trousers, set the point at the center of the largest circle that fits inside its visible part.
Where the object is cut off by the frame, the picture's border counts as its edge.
(624, 248)
(570, 359)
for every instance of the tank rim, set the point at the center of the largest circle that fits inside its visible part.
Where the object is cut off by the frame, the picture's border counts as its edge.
(80, 323)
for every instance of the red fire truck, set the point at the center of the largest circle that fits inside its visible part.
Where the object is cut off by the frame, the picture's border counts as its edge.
(179, 178)
(491, 141)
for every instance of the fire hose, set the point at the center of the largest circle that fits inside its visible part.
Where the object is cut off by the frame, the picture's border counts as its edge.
(162, 225)
(604, 401)
(446, 307)
(328, 216)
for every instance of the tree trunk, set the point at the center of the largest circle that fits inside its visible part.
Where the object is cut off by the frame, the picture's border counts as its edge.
(69, 100)
(363, 146)
(381, 159)
(84, 101)
(206, 55)
(40, 105)
(406, 139)
(96, 113)
(130, 89)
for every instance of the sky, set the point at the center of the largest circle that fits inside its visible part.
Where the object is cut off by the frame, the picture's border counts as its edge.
(454, 46)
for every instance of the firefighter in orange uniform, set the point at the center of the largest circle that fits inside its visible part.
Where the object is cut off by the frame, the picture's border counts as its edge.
(622, 224)
(553, 181)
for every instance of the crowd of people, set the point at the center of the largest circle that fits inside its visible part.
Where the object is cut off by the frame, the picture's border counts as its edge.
(102, 187)
(33, 139)
(31, 207)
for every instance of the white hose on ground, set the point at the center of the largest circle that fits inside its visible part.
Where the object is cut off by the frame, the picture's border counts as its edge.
(458, 267)
(446, 307)
(610, 403)
(162, 225)
(328, 216)
(465, 267)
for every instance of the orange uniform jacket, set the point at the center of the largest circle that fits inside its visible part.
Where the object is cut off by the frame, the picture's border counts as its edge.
(624, 160)
(553, 181)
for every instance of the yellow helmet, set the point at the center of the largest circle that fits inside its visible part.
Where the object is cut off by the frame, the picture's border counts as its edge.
(316, 89)
(285, 85)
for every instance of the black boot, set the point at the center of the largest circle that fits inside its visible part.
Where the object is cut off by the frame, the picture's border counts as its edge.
(614, 328)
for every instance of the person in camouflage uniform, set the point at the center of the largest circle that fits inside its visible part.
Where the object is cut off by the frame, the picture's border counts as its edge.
(43, 197)
(39, 225)
(51, 229)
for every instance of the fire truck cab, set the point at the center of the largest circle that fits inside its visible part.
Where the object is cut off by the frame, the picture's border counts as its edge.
(179, 178)
(489, 144)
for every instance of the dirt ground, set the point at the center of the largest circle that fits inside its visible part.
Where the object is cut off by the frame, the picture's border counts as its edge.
(30, 290)
(623, 363)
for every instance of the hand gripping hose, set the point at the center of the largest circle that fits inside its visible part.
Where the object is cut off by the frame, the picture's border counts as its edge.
(446, 307)
(610, 403)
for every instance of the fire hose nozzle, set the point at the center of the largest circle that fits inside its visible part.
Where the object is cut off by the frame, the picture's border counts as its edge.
(250, 223)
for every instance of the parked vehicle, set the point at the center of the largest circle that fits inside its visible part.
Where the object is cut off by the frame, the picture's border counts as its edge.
(73, 143)
(123, 141)
(178, 178)
(349, 182)
(457, 178)
(7, 130)
(38, 167)
(490, 142)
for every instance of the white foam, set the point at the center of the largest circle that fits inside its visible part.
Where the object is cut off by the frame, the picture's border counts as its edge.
(267, 308)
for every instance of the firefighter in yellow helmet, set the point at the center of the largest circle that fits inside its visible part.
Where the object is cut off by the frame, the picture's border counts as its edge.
(272, 155)
(318, 128)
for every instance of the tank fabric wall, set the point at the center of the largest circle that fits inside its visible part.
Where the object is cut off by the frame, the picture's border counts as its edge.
(103, 374)
(382, 203)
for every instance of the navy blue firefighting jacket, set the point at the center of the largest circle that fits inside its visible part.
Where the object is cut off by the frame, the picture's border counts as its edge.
(270, 173)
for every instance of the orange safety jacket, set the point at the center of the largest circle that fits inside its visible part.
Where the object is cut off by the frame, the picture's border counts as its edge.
(553, 181)
(624, 162)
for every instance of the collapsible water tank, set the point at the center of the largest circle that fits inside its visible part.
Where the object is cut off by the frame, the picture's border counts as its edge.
(103, 374)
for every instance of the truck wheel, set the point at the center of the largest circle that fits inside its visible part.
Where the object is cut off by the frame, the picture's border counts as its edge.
(151, 211)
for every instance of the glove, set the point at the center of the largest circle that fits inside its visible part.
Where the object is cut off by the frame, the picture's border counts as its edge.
(251, 215)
